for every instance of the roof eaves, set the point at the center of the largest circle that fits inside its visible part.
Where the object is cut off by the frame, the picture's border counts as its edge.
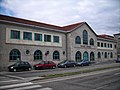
(33, 26)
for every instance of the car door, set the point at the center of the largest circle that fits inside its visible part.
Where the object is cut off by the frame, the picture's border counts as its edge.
(45, 64)
(69, 64)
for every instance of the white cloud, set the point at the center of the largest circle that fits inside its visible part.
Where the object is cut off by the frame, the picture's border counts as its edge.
(102, 15)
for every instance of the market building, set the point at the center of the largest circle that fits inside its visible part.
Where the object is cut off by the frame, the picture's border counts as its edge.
(32, 41)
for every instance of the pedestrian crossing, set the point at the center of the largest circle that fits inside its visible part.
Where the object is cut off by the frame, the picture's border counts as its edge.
(23, 86)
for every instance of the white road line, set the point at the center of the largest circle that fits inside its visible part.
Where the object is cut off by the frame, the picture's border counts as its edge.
(116, 73)
(15, 85)
(8, 81)
(45, 89)
(27, 87)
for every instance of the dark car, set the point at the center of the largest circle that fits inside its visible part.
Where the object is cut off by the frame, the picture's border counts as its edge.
(118, 60)
(67, 63)
(19, 66)
(83, 63)
(44, 65)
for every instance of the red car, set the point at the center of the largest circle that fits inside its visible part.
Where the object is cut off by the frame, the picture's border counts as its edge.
(44, 65)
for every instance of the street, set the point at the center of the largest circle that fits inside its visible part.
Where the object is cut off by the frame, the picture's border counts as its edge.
(36, 73)
(103, 81)
(108, 79)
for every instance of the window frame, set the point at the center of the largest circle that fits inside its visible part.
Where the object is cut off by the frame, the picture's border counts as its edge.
(14, 55)
(38, 55)
(92, 42)
(37, 37)
(56, 39)
(47, 38)
(85, 37)
(27, 35)
(78, 56)
(12, 36)
(56, 55)
(77, 40)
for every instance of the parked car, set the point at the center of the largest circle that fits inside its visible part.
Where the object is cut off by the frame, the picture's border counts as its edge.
(67, 63)
(19, 66)
(44, 65)
(83, 63)
(118, 60)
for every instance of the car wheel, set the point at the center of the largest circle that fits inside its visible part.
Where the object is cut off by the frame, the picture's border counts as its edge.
(29, 69)
(14, 70)
(53, 67)
(65, 66)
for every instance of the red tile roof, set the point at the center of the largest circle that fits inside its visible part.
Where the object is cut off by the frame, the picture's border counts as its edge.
(29, 22)
(106, 36)
(64, 28)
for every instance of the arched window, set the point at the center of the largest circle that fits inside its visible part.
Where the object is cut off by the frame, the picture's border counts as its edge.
(92, 58)
(15, 55)
(85, 37)
(77, 40)
(105, 54)
(37, 55)
(56, 55)
(99, 55)
(85, 56)
(78, 56)
(111, 55)
(91, 41)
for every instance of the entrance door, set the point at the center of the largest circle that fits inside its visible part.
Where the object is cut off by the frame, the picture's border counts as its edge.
(85, 56)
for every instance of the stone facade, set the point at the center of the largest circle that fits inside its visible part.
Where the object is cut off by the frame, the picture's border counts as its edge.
(117, 37)
(67, 46)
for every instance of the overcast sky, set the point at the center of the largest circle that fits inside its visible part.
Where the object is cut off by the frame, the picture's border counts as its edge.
(102, 15)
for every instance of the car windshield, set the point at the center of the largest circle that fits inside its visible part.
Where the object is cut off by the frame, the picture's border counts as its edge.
(63, 61)
(42, 62)
(17, 63)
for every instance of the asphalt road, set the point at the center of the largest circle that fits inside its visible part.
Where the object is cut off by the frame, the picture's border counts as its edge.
(36, 73)
(104, 81)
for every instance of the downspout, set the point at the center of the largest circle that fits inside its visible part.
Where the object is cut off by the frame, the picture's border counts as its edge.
(66, 47)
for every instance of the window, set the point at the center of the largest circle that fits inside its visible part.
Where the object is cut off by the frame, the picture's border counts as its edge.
(38, 37)
(111, 55)
(37, 55)
(15, 34)
(77, 40)
(85, 56)
(85, 37)
(104, 44)
(56, 39)
(110, 45)
(78, 56)
(56, 55)
(47, 38)
(92, 58)
(27, 35)
(99, 55)
(115, 46)
(91, 41)
(101, 44)
(105, 54)
(15, 55)
(98, 44)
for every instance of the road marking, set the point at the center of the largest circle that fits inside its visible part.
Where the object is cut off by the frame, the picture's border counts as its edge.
(27, 87)
(116, 73)
(15, 85)
(100, 87)
(45, 89)
(8, 81)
